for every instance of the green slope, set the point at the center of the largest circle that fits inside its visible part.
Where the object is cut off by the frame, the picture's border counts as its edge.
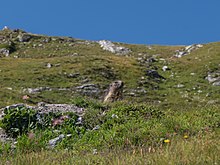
(77, 62)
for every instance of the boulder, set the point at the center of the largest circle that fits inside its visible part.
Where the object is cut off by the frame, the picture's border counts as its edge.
(24, 37)
(154, 74)
(165, 68)
(214, 78)
(5, 52)
(5, 28)
(109, 46)
(88, 89)
(187, 50)
(53, 142)
(54, 108)
(37, 90)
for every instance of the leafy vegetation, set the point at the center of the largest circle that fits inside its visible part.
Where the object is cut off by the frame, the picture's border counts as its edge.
(172, 120)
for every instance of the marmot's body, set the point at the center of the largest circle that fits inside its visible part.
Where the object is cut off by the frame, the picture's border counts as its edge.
(115, 92)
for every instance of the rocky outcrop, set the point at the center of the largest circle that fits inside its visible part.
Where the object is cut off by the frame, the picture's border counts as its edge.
(187, 50)
(214, 78)
(154, 74)
(42, 109)
(46, 108)
(88, 89)
(4, 52)
(114, 92)
(54, 108)
(109, 46)
(37, 90)
(24, 37)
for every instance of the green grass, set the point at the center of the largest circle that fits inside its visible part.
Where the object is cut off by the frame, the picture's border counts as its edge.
(127, 134)
(144, 119)
(201, 149)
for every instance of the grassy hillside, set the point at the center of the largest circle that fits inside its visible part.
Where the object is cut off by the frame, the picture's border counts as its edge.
(26, 67)
(170, 111)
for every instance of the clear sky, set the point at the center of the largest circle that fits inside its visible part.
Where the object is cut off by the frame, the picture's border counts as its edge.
(167, 22)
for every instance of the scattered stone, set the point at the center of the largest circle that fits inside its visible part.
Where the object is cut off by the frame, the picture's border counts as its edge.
(109, 46)
(114, 116)
(37, 90)
(96, 128)
(179, 86)
(73, 75)
(114, 92)
(151, 60)
(42, 89)
(79, 120)
(5, 52)
(165, 68)
(187, 50)
(88, 89)
(214, 78)
(68, 135)
(54, 108)
(24, 37)
(46, 40)
(5, 28)
(154, 74)
(49, 65)
(53, 142)
(216, 83)
(199, 91)
(94, 152)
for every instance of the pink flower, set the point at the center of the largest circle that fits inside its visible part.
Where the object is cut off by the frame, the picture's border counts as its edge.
(25, 97)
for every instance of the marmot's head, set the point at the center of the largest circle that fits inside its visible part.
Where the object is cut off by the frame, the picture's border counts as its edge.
(116, 85)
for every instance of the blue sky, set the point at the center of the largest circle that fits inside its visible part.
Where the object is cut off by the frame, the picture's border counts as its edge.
(167, 22)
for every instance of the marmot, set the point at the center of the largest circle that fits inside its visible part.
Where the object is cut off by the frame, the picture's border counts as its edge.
(115, 91)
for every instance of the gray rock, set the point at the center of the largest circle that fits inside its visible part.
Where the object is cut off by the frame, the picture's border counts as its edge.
(46, 40)
(37, 90)
(114, 116)
(49, 65)
(179, 86)
(154, 74)
(217, 83)
(109, 46)
(79, 120)
(5, 28)
(96, 127)
(73, 75)
(94, 152)
(151, 60)
(24, 37)
(47, 108)
(187, 50)
(5, 52)
(165, 68)
(41, 89)
(53, 142)
(214, 78)
(88, 89)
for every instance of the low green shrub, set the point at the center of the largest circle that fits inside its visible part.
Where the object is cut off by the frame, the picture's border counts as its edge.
(17, 121)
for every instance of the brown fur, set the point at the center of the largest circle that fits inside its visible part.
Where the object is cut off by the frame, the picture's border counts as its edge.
(115, 91)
